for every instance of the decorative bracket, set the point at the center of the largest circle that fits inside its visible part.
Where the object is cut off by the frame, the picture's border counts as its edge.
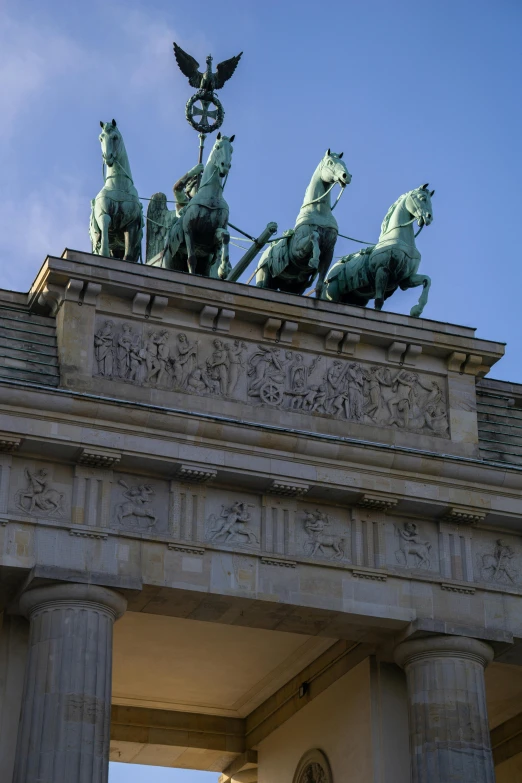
(187, 549)
(9, 442)
(280, 331)
(98, 458)
(279, 561)
(216, 318)
(376, 502)
(366, 573)
(149, 306)
(290, 489)
(464, 515)
(195, 473)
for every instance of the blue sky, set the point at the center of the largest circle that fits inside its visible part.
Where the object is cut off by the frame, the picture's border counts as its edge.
(412, 92)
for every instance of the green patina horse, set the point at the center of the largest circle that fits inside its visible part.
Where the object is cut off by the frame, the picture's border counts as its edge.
(198, 240)
(116, 226)
(377, 271)
(293, 263)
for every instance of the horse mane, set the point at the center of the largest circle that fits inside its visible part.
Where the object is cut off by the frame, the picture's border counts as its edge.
(386, 222)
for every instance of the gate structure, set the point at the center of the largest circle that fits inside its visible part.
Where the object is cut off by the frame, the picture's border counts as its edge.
(255, 533)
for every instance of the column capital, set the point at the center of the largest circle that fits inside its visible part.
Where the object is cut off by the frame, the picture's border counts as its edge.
(72, 594)
(411, 651)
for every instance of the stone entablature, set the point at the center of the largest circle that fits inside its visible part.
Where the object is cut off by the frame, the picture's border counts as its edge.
(369, 540)
(147, 335)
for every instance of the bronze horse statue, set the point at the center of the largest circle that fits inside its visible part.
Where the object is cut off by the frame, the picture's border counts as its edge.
(292, 263)
(116, 226)
(198, 240)
(377, 271)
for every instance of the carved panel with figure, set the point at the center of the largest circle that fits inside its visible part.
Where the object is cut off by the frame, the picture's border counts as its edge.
(323, 533)
(139, 504)
(233, 520)
(41, 490)
(270, 376)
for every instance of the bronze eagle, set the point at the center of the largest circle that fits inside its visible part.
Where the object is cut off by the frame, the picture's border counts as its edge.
(208, 81)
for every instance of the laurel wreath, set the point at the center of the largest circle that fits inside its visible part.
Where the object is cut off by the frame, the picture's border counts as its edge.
(204, 127)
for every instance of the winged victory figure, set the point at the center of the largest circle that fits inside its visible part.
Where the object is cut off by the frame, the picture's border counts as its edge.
(206, 81)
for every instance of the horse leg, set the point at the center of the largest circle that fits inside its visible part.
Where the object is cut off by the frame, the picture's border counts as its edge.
(412, 282)
(263, 276)
(104, 223)
(132, 244)
(223, 237)
(324, 265)
(381, 281)
(192, 260)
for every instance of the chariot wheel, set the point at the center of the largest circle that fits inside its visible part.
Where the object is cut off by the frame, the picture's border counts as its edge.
(271, 393)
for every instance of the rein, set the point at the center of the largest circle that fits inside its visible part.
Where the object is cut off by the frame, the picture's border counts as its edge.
(320, 198)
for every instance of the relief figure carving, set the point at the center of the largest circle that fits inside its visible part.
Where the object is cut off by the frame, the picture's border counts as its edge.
(413, 546)
(319, 541)
(498, 567)
(137, 506)
(218, 367)
(156, 352)
(287, 380)
(267, 375)
(185, 362)
(38, 496)
(231, 523)
(236, 364)
(104, 349)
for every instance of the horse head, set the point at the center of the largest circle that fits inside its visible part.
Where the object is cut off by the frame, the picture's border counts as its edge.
(110, 139)
(334, 169)
(418, 203)
(221, 154)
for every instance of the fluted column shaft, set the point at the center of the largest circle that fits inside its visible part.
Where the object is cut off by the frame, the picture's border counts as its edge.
(64, 730)
(449, 730)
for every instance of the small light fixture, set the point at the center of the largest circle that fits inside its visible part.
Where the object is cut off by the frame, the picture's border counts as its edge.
(303, 689)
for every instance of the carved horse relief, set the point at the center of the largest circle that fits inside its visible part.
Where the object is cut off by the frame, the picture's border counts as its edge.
(377, 271)
(116, 227)
(198, 240)
(293, 263)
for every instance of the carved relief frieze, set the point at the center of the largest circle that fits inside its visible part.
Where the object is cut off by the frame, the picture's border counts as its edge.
(324, 536)
(39, 494)
(233, 525)
(499, 565)
(271, 376)
(414, 549)
(139, 505)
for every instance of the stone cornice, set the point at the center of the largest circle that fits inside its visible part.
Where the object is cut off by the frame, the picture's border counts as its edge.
(123, 279)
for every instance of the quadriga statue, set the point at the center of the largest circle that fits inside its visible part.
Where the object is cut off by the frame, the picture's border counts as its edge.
(198, 240)
(116, 226)
(377, 271)
(293, 263)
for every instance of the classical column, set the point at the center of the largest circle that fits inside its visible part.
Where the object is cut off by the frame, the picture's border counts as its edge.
(449, 730)
(64, 729)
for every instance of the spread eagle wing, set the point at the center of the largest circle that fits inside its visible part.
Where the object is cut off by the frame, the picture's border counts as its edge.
(225, 70)
(159, 220)
(188, 66)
